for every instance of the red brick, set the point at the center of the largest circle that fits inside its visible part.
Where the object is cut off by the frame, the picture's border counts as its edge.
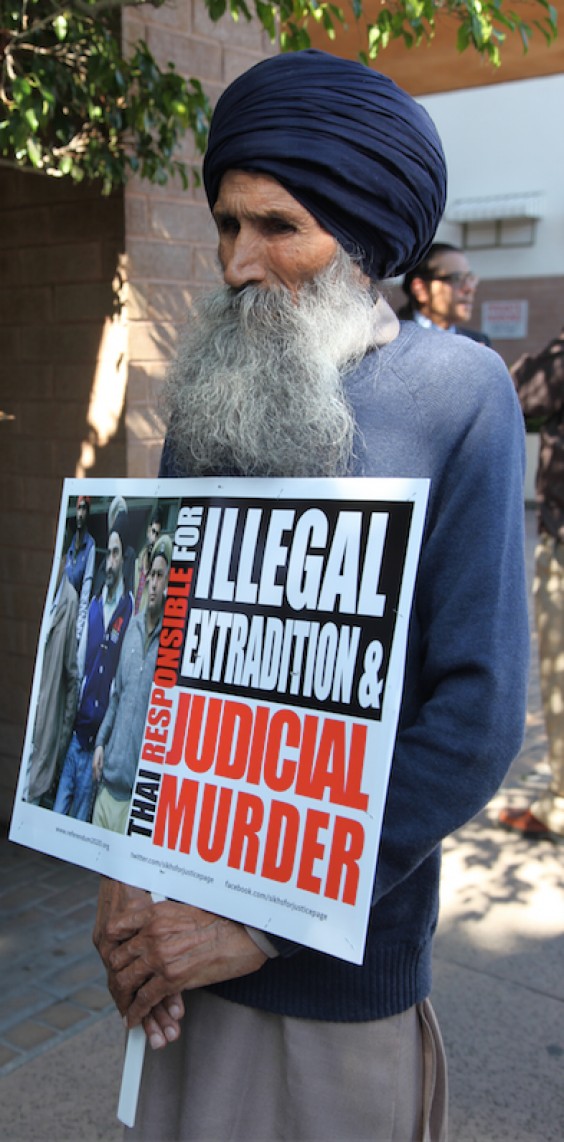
(31, 529)
(236, 61)
(82, 221)
(20, 603)
(150, 190)
(169, 303)
(149, 341)
(73, 382)
(9, 188)
(80, 262)
(85, 302)
(143, 459)
(136, 215)
(19, 636)
(10, 344)
(38, 191)
(202, 58)
(25, 306)
(16, 564)
(26, 227)
(206, 266)
(18, 378)
(112, 255)
(545, 311)
(10, 269)
(142, 425)
(26, 461)
(16, 495)
(181, 222)
(65, 343)
(228, 31)
(111, 460)
(159, 261)
(69, 422)
(137, 303)
(141, 386)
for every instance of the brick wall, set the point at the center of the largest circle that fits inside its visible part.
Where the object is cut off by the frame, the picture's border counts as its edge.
(62, 348)
(92, 294)
(170, 239)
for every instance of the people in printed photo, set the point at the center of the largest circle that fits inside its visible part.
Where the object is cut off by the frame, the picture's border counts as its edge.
(98, 657)
(56, 703)
(79, 563)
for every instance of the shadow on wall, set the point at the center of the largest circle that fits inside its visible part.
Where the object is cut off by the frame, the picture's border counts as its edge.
(62, 392)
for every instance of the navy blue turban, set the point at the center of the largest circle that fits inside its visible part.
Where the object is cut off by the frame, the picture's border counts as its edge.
(354, 149)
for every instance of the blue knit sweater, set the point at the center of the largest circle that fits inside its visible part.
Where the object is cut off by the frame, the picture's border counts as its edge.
(430, 405)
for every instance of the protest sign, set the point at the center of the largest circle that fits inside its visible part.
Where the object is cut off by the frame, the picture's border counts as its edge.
(266, 743)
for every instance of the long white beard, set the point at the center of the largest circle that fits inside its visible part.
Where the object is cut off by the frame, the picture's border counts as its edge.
(256, 387)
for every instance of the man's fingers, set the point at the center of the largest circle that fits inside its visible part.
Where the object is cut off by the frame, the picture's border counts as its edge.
(159, 1026)
(147, 997)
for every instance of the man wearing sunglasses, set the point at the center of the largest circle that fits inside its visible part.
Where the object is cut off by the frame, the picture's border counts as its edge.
(440, 292)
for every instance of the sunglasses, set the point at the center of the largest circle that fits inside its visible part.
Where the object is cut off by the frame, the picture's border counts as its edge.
(457, 280)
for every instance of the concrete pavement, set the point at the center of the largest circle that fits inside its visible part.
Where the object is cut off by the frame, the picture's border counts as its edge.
(498, 989)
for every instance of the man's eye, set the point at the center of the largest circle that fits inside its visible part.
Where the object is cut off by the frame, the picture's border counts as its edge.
(279, 226)
(227, 225)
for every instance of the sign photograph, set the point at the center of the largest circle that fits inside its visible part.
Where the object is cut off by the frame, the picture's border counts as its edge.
(221, 720)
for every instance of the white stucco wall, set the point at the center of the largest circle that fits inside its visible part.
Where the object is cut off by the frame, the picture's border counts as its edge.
(507, 139)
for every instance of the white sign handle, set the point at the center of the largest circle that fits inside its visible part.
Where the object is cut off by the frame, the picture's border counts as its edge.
(133, 1067)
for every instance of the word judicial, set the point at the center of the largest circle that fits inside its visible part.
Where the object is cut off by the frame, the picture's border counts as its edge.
(311, 755)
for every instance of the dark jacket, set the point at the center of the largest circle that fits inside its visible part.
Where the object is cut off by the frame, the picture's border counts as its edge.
(407, 313)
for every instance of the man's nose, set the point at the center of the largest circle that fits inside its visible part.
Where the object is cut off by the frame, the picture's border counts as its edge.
(243, 262)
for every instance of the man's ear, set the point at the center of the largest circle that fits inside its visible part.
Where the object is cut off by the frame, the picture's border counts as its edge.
(419, 290)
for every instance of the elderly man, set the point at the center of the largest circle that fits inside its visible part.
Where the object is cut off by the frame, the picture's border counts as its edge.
(440, 292)
(98, 656)
(118, 742)
(56, 702)
(323, 178)
(79, 565)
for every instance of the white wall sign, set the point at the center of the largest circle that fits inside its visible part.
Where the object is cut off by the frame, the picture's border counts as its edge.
(505, 320)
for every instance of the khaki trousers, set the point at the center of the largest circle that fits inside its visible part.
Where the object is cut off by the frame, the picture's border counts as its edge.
(548, 593)
(241, 1075)
(110, 813)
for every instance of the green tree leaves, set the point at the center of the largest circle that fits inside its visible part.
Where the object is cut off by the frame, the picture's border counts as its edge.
(74, 103)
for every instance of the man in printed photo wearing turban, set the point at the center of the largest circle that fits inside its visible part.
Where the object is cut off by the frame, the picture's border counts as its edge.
(324, 179)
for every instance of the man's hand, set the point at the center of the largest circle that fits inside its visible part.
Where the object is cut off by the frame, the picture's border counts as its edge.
(176, 947)
(162, 1025)
(98, 762)
(155, 951)
(116, 902)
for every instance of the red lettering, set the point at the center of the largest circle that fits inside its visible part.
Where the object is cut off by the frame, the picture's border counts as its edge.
(174, 814)
(249, 815)
(281, 779)
(281, 842)
(312, 849)
(154, 753)
(234, 739)
(346, 851)
(214, 818)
